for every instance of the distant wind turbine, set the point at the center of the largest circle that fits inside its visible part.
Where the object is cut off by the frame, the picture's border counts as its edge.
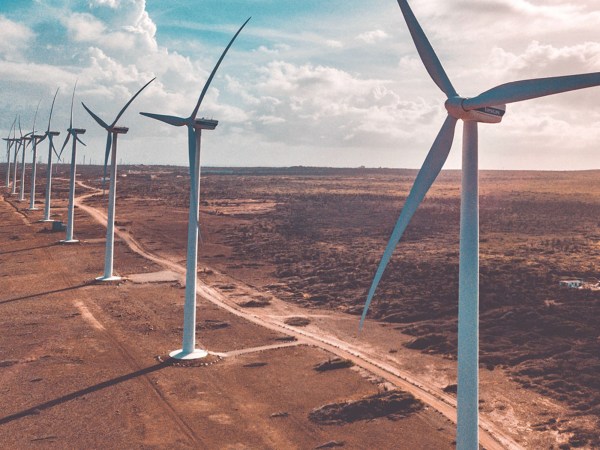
(28, 138)
(488, 107)
(195, 127)
(112, 134)
(35, 140)
(51, 135)
(72, 132)
(9, 144)
(19, 143)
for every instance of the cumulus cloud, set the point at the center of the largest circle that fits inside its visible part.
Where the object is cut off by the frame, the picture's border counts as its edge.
(323, 89)
(371, 37)
(14, 39)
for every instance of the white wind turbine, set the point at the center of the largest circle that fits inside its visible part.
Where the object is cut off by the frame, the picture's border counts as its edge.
(72, 132)
(35, 140)
(51, 135)
(195, 127)
(112, 135)
(19, 142)
(488, 107)
(27, 139)
(9, 144)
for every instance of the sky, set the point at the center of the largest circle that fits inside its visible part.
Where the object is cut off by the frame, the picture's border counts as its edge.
(314, 83)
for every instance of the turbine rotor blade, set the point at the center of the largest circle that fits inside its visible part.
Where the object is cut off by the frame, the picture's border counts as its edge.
(171, 120)
(51, 110)
(12, 127)
(35, 117)
(101, 122)
(130, 101)
(517, 91)
(430, 60)
(427, 174)
(106, 155)
(80, 141)
(64, 144)
(214, 71)
(53, 148)
(72, 101)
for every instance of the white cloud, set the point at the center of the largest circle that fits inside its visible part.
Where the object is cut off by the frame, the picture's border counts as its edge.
(14, 39)
(371, 37)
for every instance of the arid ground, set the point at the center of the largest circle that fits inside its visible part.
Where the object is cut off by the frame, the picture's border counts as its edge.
(286, 258)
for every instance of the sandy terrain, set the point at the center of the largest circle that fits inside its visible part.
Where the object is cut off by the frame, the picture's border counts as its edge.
(303, 238)
(83, 365)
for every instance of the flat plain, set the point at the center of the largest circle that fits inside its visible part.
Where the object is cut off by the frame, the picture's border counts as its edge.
(290, 254)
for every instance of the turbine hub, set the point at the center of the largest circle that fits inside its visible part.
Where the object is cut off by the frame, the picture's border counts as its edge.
(486, 114)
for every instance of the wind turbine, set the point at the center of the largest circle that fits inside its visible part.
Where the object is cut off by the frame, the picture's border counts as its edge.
(488, 107)
(195, 127)
(112, 135)
(9, 144)
(51, 135)
(19, 142)
(26, 140)
(35, 140)
(75, 132)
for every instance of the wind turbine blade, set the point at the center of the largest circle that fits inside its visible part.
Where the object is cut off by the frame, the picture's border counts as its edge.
(35, 116)
(64, 145)
(72, 101)
(51, 110)
(80, 141)
(171, 120)
(130, 101)
(429, 171)
(214, 71)
(20, 130)
(430, 60)
(517, 91)
(101, 122)
(12, 127)
(54, 149)
(106, 155)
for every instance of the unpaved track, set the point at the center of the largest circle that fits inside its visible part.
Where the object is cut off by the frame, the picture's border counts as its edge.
(490, 436)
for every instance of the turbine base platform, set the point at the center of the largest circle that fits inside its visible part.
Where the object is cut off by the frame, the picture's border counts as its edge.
(33, 209)
(194, 354)
(111, 278)
(69, 241)
(46, 220)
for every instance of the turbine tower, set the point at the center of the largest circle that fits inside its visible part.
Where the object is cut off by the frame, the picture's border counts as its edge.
(75, 132)
(112, 134)
(51, 135)
(35, 140)
(488, 107)
(9, 144)
(195, 127)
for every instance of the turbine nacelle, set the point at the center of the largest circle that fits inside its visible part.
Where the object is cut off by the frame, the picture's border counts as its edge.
(205, 124)
(118, 130)
(76, 130)
(486, 114)
(53, 133)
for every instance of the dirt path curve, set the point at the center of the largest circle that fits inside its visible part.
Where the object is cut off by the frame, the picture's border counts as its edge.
(490, 436)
